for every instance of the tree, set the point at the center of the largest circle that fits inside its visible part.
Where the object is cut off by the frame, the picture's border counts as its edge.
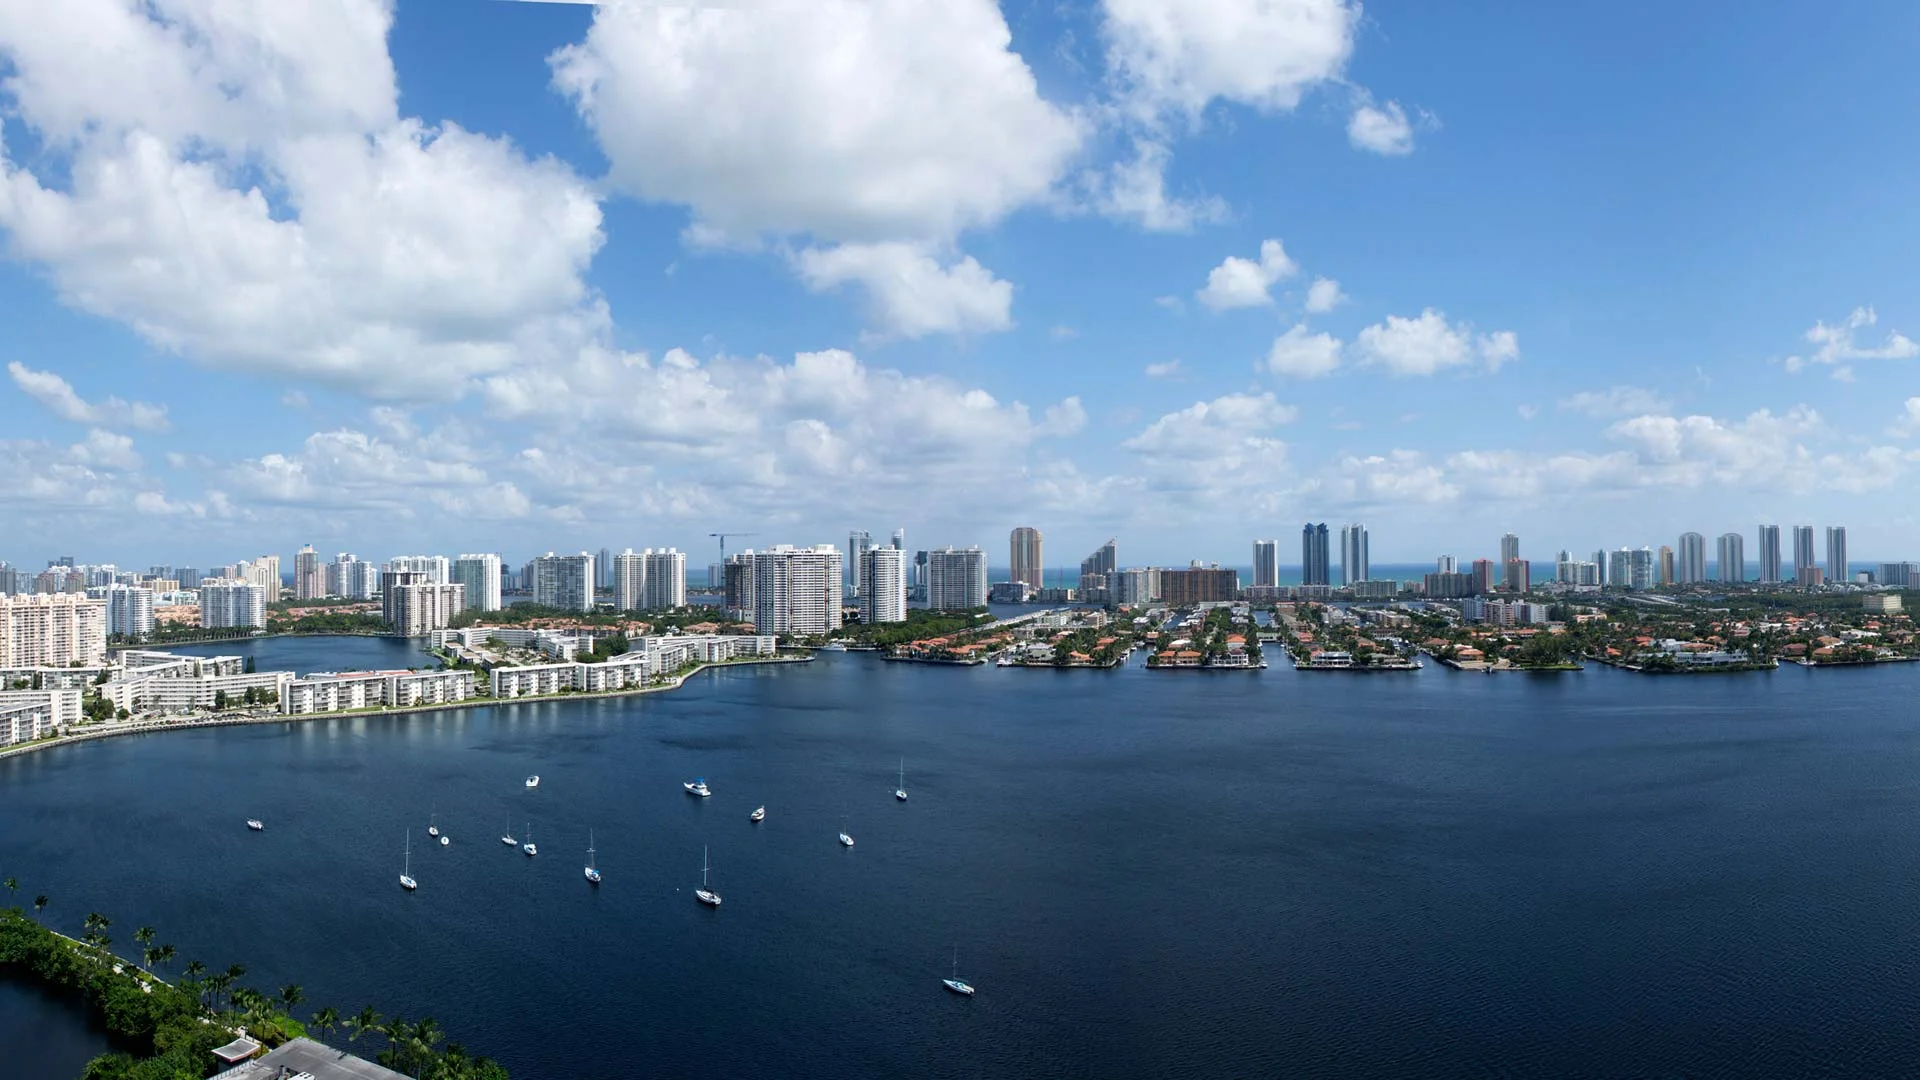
(364, 1022)
(166, 954)
(39, 904)
(290, 996)
(144, 936)
(11, 884)
(326, 1020)
(219, 699)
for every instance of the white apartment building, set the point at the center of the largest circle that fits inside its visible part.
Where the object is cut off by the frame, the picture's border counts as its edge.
(564, 581)
(129, 609)
(308, 582)
(630, 580)
(52, 630)
(436, 567)
(649, 657)
(883, 586)
(480, 574)
(264, 572)
(153, 693)
(666, 584)
(229, 602)
(533, 680)
(417, 608)
(26, 715)
(340, 691)
(351, 578)
(956, 578)
(796, 590)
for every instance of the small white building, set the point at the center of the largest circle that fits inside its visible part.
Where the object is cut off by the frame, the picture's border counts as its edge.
(26, 715)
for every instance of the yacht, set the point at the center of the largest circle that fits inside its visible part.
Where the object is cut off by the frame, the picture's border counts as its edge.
(593, 876)
(507, 837)
(758, 815)
(432, 829)
(955, 983)
(901, 791)
(528, 846)
(444, 841)
(406, 865)
(704, 894)
(845, 840)
(533, 781)
(697, 786)
(255, 824)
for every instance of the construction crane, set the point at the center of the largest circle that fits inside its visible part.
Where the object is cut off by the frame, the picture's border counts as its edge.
(722, 540)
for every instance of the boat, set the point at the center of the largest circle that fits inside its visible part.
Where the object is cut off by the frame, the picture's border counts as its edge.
(704, 894)
(432, 829)
(901, 791)
(406, 865)
(255, 824)
(533, 781)
(758, 815)
(956, 984)
(593, 875)
(844, 838)
(444, 841)
(507, 837)
(528, 846)
(697, 786)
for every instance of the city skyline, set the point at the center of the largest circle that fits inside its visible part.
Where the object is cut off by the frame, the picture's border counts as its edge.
(1150, 316)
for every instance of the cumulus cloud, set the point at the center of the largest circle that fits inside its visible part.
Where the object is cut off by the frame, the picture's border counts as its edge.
(59, 397)
(911, 293)
(1909, 422)
(1323, 296)
(1835, 345)
(1304, 355)
(1164, 370)
(1177, 56)
(1215, 453)
(1239, 282)
(1383, 130)
(1615, 401)
(1135, 190)
(1427, 344)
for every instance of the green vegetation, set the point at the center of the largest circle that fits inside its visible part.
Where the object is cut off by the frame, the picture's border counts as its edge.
(921, 624)
(161, 1023)
(1209, 639)
(330, 622)
(663, 622)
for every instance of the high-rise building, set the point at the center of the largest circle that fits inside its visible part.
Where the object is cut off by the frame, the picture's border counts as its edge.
(666, 584)
(1691, 566)
(883, 586)
(265, 572)
(1900, 575)
(796, 590)
(1640, 568)
(1518, 574)
(899, 541)
(1027, 560)
(307, 582)
(129, 610)
(1137, 585)
(1601, 566)
(350, 578)
(1446, 564)
(1730, 558)
(479, 575)
(1316, 568)
(230, 603)
(1803, 555)
(1266, 562)
(737, 581)
(630, 581)
(564, 581)
(1199, 584)
(1837, 555)
(1664, 567)
(603, 571)
(1620, 569)
(1769, 554)
(956, 578)
(419, 607)
(52, 630)
(1096, 573)
(438, 569)
(1353, 554)
(858, 541)
(1509, 548)
(1486, 576)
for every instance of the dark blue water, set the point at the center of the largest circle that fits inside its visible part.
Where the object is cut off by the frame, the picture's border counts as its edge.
(45, 1036)
(1175, 874)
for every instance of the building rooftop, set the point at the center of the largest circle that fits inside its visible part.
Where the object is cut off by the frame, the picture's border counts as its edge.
(304, 1057)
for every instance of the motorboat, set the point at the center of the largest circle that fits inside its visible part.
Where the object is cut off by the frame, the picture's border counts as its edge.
(758, 815)
(533, 781)
(255, 824)
(697, 786)
(705, 893)
(444, 841)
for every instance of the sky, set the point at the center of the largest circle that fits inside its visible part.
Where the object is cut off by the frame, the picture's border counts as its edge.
(472, 275)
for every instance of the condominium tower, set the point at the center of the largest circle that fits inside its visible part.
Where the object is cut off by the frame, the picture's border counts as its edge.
(796, 590)
(438, 570)
(52, 630)
(1803, 559)
(230, 603)
(307, 582)
(956, 578)
(1266, 563)
(564, 581)
(1730, 557)
(1315, 566)
(1027, 563)
(883, 585)
(1690, 567)
(1769, 554)
(1353, 554)
(1837, 554)
(479, 574)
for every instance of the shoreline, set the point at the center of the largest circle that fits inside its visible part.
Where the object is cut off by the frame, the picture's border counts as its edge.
(150, 727)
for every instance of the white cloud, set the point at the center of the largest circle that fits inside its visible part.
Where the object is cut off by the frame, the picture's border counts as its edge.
(1176, 56)
(1428, 343)
(59, 397)
(1212, 454)
(1198, 430)
(104, 449)
(1303, 355)
(1527, 412)
(1836, 344)
(1323, 296)
(1165, 370)
(1616, 401)
(1238, 282)
(844, 120)
(1171, 303)
(1909, 422)
(1381, 130)
(1135, 190)
(911, 294)
(236, 183)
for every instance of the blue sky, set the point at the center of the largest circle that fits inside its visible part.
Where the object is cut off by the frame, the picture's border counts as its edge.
(481, 275)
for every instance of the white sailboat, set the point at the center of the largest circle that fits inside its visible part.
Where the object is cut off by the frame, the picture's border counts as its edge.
(528, 846)
(507, 837)
(955, 983)
(901, 791)
(759, 814)
(704, 894)
(845, 840)
(432, 829)
(406, 866)
(592, 874)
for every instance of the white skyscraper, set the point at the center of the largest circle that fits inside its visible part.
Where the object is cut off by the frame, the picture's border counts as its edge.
(883, 586)
(129, 610)
(796, 591)
(228, 602)
(1803, 559)
(479, 574)
(308, 584)
(437, 568)
(265, 572)
(1769, 554)
(1448, 564)
(420, 607)
(52, 630)
(956, 578)
(1266, 562)
(1509, 548)
(666, 582)
(1730, 558)
(1837, 555)
(564, 581)
(630, 581)
(858, 541)
(1690, 562)
(1353, 554)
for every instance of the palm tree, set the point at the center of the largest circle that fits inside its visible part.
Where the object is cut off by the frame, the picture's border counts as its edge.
(190, 976)
(291, 995)
(426, 1035)
(365, 1022)
(166, 954)
(145, 936)
(147, 956)
(399, 1044)
(11, 884)
(326, 1020)
(39, 904)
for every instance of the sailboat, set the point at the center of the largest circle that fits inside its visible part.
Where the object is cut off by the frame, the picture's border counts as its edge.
(432, 829)
(844, 838)
(406, 865)
(901, 791)
(955, 983)
(704, 894)
(507, 837)
(528, 846)
(759, 814)
(592, 874)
